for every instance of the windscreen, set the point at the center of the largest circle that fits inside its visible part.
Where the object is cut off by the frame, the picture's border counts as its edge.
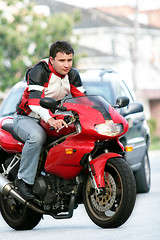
(96, 102)
(8, 106)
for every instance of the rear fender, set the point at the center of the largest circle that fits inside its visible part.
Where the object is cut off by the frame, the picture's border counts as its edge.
(98, 165)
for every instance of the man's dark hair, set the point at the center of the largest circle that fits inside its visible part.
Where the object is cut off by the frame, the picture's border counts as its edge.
(60, 46)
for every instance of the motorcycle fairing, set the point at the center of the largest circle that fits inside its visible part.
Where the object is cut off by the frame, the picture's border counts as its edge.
(93, 120)
(65, 165)
(98, 165)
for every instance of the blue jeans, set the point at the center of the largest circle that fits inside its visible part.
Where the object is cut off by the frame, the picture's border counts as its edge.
(34, 136)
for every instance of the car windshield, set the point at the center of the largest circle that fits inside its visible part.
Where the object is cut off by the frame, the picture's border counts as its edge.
(103, 89)
(96, 102)
(8, 106)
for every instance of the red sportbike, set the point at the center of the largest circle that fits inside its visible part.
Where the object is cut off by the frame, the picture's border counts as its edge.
(81, 164)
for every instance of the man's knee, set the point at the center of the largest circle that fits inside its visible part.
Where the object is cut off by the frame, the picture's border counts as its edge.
(37, 137)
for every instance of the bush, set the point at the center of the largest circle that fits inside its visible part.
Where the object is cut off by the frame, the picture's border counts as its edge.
(153, 126)
(155, 140)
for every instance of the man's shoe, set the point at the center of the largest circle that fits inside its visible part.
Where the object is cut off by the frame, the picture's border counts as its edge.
(25, 189)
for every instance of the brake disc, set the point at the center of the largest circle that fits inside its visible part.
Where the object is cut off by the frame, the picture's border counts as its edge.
(105, 200)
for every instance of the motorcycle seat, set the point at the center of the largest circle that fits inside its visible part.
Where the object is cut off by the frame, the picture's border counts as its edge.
(8, 126)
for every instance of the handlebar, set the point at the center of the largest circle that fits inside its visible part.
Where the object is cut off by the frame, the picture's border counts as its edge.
(68, 119)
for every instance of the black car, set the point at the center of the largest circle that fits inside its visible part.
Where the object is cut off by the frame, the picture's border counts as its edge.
(110, 86)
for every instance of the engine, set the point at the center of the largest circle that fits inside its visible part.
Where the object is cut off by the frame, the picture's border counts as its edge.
(54, 192)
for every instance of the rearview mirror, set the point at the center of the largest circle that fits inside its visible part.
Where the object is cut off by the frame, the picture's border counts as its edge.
(51, 104)
(121, 102)
(48, 103)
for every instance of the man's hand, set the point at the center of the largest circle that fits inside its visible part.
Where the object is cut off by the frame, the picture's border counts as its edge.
(57, 123)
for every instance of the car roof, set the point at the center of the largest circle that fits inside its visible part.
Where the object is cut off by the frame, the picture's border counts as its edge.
(19, 85)
(104, 75)
(99, 74)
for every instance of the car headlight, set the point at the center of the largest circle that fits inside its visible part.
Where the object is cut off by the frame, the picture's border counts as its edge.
(109, 128)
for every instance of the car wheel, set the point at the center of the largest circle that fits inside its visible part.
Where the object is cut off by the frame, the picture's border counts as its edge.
(143, 175)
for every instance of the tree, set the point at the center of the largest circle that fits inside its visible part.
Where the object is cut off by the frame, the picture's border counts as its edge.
(25, 37)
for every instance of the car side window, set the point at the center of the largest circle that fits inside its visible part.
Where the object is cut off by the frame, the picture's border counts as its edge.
(121, 89)
(103, 89)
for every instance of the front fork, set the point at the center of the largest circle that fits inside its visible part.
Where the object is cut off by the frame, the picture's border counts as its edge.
(96, 169)
(91, 171)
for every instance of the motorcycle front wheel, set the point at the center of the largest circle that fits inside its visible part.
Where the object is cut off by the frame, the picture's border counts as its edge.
(113, 206)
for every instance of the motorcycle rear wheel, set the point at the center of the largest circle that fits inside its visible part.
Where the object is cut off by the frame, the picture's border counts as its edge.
(113, 207)
(16, 215)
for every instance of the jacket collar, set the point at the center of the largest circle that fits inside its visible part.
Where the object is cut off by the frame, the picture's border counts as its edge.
(54, 71)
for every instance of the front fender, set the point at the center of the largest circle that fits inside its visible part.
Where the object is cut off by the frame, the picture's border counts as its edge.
(98, 166)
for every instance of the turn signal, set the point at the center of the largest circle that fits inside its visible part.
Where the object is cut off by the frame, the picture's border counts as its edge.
(69, 150)
(128, 148)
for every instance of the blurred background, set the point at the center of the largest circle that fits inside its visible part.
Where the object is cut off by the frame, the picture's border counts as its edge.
(117, 34)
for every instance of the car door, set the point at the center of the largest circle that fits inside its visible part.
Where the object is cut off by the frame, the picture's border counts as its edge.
(135, 136)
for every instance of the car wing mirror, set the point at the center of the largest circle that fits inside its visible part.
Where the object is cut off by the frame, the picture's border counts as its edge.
(133, 107)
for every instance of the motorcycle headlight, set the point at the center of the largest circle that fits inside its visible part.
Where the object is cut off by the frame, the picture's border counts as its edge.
(109, 128)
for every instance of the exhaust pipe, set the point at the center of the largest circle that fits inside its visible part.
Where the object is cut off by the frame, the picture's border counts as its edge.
(7, 188)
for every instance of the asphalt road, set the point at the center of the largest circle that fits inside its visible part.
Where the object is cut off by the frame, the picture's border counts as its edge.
(143, 224)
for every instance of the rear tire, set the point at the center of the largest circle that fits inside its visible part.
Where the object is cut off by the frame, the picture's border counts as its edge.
(16, 215)
(112, 208)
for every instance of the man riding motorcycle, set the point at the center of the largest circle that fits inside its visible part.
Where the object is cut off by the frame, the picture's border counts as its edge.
(53, 77)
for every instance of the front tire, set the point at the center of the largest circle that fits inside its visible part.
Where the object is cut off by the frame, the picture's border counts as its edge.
(113, 207)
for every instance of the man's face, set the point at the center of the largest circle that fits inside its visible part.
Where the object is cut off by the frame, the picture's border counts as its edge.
(62, 63)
